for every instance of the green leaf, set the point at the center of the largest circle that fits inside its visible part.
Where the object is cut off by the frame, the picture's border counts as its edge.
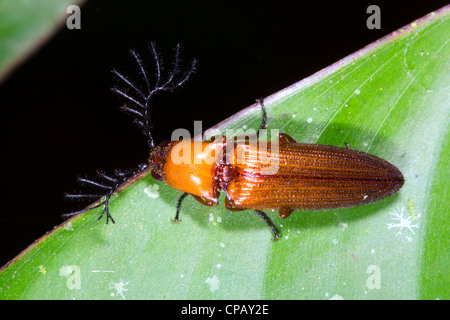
(25, 25)
(389, 99)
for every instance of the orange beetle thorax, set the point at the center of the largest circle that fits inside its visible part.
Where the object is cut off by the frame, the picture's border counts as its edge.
(189, 166)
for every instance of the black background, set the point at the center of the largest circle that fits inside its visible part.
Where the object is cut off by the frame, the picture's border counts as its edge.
(60, 118)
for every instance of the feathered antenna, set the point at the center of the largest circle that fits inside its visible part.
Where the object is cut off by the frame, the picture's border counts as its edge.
(108, 185)
(140, 109)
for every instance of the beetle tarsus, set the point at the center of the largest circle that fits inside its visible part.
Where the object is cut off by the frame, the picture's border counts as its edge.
(106, 208)
(104, 182)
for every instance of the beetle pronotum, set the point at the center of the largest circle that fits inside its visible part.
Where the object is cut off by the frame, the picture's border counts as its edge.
(307, 176)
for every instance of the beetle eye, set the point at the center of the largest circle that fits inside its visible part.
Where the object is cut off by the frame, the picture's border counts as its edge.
(165, 143)
(156, 176)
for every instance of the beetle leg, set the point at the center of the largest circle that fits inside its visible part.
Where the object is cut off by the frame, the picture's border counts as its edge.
(285, 138)
(263, 216)
(184, 195)
(269, 223)
(264, 116)
(205, 202)
(285, 212)
(230, 207)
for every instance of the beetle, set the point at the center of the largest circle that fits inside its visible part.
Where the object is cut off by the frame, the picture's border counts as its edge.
(306, 176)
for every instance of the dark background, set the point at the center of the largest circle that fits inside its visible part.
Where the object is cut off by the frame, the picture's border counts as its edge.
(60, 118)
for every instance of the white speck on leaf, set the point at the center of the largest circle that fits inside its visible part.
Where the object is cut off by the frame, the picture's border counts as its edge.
(400, 222)
(119, 287)
(344, 225)
(68, 226)
(213, 283)
(42, 270)
(152, 191)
